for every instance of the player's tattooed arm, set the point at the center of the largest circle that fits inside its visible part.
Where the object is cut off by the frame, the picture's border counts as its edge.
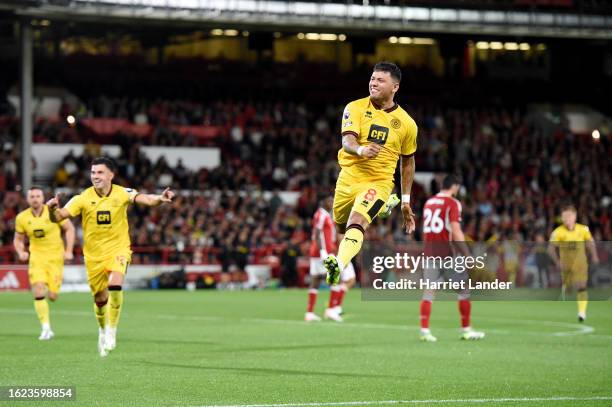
(351, 146)
(19, 245)
(155, 200)
(407, 172)
(57, 214)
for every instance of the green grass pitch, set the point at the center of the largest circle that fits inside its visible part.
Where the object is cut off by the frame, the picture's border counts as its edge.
(238, 348)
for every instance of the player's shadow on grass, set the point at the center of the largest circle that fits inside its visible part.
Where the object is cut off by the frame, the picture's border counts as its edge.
(318, 346)
(268, 371)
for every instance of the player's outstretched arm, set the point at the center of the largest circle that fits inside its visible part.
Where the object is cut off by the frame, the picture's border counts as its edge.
(407, 173)
(68, 229)
(351, 146)
(57, 214)
(19, 245)
(155, 200)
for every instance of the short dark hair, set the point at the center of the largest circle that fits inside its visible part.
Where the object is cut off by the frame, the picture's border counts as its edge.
(449, 181)
(386, 66)
(569, 207)
(109, 162)
(33, 187)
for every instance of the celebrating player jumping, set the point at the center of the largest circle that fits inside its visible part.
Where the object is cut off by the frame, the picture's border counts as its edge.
(103, 208)
(46, 254)
(376, 133)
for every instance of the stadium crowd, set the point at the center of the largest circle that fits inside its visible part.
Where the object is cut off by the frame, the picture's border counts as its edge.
(515, 175)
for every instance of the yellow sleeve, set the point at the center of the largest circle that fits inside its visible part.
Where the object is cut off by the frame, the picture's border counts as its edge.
(555, 236)
(587, 234)
(131, 194)
(63, 222)
(351, 119)
(409, 144)
(75, 205)
(19, 228)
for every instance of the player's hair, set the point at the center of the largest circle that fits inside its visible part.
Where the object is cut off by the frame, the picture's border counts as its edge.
(109, 162)
(33, 187)
(386, 66)
(569, 207)
(449, 181)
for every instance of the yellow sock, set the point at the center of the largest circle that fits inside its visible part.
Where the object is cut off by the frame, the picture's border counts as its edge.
(350, 245)
(42, 310)
(116, 301)
(583, 299)
(101, 314)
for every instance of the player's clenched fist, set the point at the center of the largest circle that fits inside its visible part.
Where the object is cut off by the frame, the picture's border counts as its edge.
(53, 202)
(23, 256)
(370, 151)
(166, 196)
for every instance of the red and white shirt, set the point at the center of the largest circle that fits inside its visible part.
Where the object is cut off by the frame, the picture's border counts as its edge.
(439, 211)
(325, 240)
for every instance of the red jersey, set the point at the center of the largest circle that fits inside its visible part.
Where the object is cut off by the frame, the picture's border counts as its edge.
(322, 222)
(439, 211)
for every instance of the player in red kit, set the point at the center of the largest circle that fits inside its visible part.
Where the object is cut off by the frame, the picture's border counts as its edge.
(323, 243)
(442, 235)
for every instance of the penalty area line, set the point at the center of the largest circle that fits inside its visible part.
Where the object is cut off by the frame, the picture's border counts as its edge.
(430, 401)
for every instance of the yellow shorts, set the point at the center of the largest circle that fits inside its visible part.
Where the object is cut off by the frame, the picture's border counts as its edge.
(98, 272)
(367, 198)
(47, 270)
(575, 275)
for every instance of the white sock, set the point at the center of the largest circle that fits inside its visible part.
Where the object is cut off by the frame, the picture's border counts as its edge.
(46, 326)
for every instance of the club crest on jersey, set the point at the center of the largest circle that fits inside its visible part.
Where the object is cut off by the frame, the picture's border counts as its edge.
(103, 217)
(396, 124)
(378, 134)
(39, 233)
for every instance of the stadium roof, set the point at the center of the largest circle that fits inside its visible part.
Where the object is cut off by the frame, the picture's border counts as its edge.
(350, 18)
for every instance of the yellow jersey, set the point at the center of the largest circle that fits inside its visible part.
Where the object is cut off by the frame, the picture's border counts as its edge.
(45, 236)
(104, 219)
(571, 245)
(393, 129)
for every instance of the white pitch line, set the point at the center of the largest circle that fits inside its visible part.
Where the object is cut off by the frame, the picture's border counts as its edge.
(429, 401)
(578, 329)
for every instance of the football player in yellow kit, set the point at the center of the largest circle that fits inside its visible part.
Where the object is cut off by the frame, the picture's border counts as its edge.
(572, 239)
(376, 134)
(45, 255)
(103, 211)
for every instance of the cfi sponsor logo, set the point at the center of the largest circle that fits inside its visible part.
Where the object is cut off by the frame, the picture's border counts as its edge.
(103, 217)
